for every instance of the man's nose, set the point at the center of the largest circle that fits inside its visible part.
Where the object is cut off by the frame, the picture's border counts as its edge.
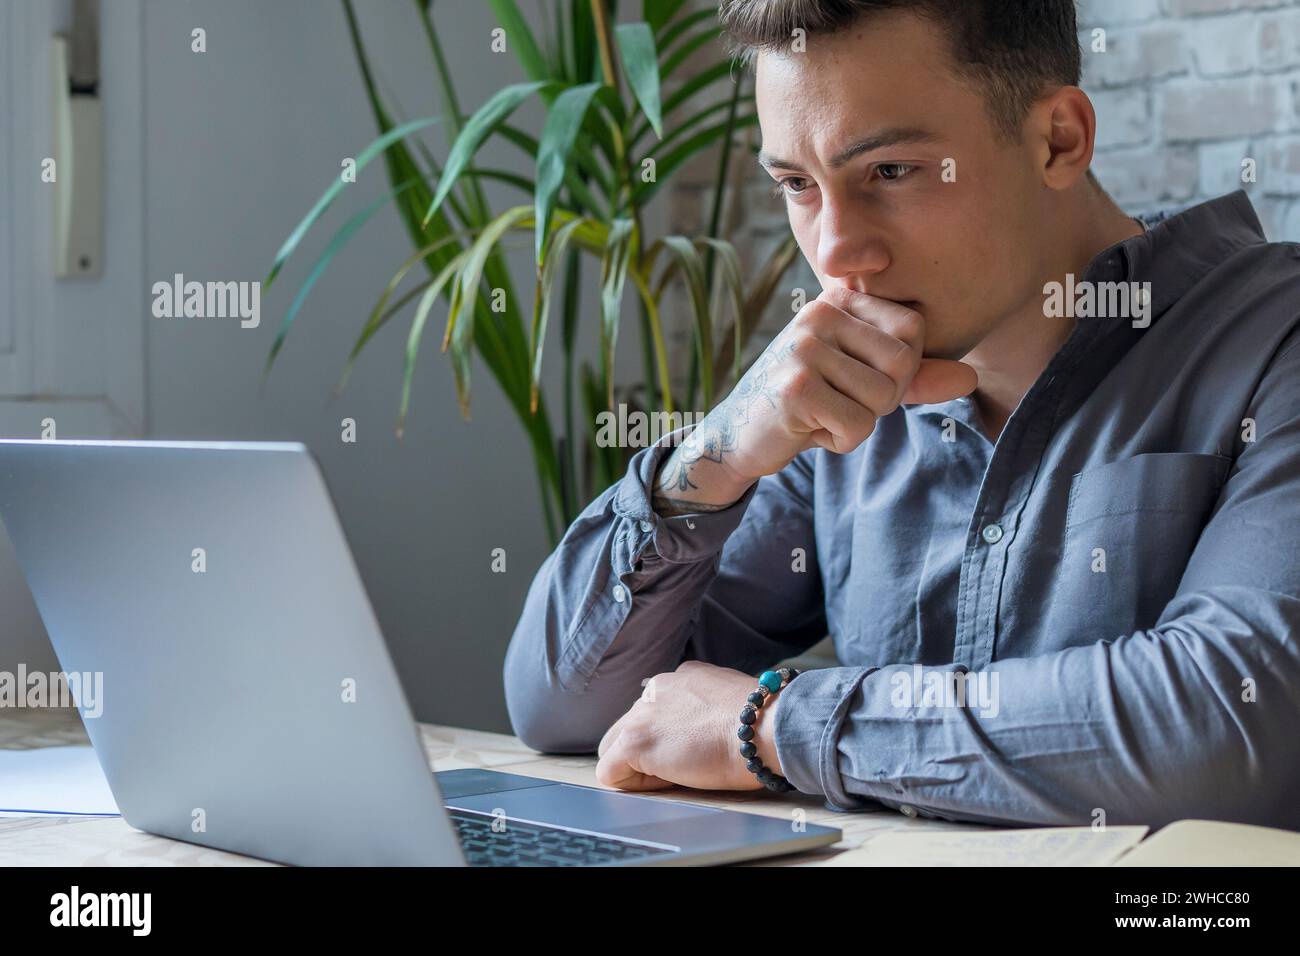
(850, 249)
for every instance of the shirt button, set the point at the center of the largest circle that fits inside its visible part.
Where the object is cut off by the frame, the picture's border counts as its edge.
(620, 593)
(907, 810)
(993, 533)
(646, 526)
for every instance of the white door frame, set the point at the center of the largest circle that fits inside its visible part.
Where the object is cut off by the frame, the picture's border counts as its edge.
(71, 349)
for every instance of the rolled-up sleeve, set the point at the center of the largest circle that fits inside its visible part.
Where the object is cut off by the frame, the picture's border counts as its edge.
(628, 594)
(1194, 717)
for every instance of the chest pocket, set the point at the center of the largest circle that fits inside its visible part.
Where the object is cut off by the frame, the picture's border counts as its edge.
(1130, 528)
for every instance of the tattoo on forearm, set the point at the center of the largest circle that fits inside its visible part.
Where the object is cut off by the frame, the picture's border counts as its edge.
(719, 433)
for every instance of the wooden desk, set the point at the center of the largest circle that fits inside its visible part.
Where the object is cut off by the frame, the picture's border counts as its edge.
(108, 841)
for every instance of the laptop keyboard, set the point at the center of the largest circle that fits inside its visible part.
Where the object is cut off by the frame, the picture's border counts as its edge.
(529, 844)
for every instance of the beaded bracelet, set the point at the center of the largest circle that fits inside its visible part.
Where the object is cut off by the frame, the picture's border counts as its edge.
(769, 684)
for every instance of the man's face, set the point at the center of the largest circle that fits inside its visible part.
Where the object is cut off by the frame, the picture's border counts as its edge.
(856, 132)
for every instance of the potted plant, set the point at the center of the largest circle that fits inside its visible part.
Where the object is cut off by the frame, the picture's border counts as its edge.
(622, 116)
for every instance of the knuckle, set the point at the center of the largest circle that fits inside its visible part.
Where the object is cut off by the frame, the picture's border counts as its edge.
(798, 383)
(901, 366)
(636, 738)
(835, 295)
(803, 346)
(910, 323)
(815, 317)
(862, 430)
(885, 398)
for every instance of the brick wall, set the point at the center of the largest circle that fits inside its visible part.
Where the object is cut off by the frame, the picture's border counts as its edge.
(1185, 91)
(1189, 89)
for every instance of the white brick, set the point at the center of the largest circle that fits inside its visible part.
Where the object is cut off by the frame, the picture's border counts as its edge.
(1123, 117)
(1279, 40)
(1134, 54)
(1278, 172)
(1160, 176)
(1187, 8)
(1224, 46)
(1290, 228)
(1222, 109)
(1221, 167)
(1108, 12)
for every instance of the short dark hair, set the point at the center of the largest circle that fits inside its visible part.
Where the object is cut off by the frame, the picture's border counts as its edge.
(1010, 49)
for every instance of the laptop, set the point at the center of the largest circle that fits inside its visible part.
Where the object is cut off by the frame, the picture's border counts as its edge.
(248, 699)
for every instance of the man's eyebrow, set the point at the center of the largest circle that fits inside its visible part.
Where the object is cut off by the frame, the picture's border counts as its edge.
(892, 136)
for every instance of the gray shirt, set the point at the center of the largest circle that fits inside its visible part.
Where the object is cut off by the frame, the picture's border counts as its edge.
(1096, 617)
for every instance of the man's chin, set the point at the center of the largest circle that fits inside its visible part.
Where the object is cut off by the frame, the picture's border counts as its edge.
(954, 349)
(952, 353)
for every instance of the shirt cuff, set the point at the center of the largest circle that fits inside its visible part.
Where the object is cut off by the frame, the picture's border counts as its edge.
(682, 539)
(813, 709)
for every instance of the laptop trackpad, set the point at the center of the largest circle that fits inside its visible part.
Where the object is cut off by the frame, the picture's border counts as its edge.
(579, 808)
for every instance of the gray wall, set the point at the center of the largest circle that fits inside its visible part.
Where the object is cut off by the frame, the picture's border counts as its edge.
(238, 144)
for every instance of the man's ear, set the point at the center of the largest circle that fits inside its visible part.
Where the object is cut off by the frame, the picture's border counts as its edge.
(1065, 125)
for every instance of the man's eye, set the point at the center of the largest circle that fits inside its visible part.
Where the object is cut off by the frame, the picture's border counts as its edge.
(791, 186)
(892, 172)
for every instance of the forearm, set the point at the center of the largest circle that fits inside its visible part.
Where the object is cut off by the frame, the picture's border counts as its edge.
(613, 605)
(696, 478)
(1149, 728)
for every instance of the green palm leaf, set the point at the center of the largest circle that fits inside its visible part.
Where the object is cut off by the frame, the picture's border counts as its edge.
(686, 261)
(729, 280)
(337, 243)
(519, 37)
(555, 255)
(336, 187)
(460, 331)
(555, 152)
(477, 129)
(757, 300)
(636, 45)
(620, 248)
(422, 311)
(657, 13)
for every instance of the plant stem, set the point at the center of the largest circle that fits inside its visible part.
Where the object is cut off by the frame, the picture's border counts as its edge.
(605, 43)
(715, 216)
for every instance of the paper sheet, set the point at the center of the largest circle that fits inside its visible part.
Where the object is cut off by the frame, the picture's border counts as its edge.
(1213, 843)
(53, 780)
(1057, 846)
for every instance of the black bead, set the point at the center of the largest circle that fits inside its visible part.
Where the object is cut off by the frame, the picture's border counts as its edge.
(747, 749)
(756, 699)
(754, 765)
(745, 733)
(764, 775)
(748, 715)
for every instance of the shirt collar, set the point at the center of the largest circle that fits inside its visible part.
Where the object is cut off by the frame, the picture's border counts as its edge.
(1180, 247)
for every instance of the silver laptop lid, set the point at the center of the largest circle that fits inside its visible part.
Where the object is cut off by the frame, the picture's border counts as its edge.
(249, 702)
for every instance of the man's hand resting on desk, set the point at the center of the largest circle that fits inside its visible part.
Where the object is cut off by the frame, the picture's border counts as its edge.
(683, 731)
(844, 361)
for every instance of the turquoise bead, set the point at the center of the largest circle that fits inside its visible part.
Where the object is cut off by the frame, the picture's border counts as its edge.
(771, 680)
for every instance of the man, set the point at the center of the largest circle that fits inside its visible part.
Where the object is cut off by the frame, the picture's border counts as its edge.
(1073, 596)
